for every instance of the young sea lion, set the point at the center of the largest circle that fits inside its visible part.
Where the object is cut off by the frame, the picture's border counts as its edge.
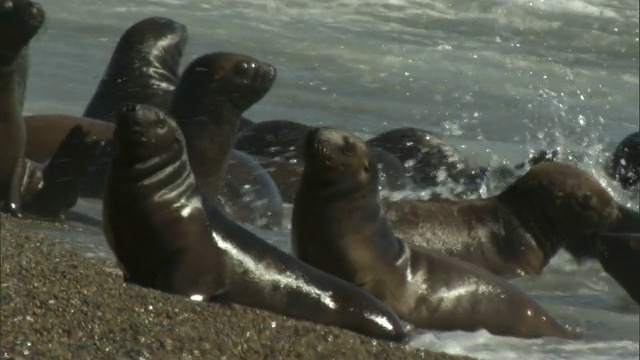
(20, 21)
(213, 92)
(282, 140)
(624, 163)
(23, 183)
(430, 161)
(155, 222)
(143, 68)
(552, 206)
(338, 226)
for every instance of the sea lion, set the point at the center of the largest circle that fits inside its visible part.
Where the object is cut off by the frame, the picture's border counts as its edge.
(273, 138)
(338, 227)
(143, 68)
(430, 161)
(46, 131)
(552, 206)
(282, 141)
(213, 92)
(619, 254)
(156, 223)
(624, 163)
(286, 173)
(20, 21)
(24, 184)
(52, 190)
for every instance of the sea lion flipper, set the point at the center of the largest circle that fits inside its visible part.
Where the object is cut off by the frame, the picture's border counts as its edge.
(64, 173)
(12, 205)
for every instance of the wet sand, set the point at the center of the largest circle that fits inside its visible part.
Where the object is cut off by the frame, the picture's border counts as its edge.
(57, 303)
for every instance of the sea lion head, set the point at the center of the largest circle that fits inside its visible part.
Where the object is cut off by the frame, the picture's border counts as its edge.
(240, 80)
(154, 39)
(144, 132)
(624, 165)
(20, 20)
(335, 157)
(563, 205)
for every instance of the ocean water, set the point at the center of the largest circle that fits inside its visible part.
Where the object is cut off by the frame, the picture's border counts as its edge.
(499, 78)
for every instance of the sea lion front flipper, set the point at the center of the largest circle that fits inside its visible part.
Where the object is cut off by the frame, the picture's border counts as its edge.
(64, 174)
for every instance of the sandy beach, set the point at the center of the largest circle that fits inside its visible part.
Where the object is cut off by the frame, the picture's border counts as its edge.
(58, 303)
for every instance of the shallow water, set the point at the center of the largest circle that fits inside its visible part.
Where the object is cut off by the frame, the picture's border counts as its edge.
(499, 78)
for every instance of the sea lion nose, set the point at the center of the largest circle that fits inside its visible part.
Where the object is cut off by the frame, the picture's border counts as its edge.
(130, 108)
(127, 115)
(270, 70)
(35, 13)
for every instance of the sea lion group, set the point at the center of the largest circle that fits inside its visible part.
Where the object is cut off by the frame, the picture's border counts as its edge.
(171, 156)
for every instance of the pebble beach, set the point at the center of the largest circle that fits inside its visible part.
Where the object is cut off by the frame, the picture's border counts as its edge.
(59, 304)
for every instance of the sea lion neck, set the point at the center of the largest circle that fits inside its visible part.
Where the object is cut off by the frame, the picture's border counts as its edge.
(562, 206)
(209, 142)
(217, 107)
(535, 221)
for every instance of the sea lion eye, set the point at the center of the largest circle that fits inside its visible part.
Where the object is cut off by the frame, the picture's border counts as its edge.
(366, 168)
(160, 124)
(244, 68)
(348, 145)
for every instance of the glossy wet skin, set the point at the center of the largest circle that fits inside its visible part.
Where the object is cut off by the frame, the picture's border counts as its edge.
(143, 133)
(425, 156)
(625, 161)
(20, 20)
(212, 93)
(238, 79)
(163, 237)
(143, 68)
(338, 227)
(143, 226)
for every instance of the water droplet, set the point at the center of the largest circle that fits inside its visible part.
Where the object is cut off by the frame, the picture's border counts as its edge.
(197, 297)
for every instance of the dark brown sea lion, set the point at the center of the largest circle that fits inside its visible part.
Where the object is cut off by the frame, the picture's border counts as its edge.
(273, 138)
(213, 92)
(143, 68)
(338, 227)
(62, 179)
(24, 184)
(286, 174)
(20, 21)
(619, 254)
(282, 141)
(157, 226)
(430, 161)
(624, 164)
(46, 131)
(552, 206)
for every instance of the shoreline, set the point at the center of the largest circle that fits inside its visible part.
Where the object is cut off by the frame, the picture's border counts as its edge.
(58, 303)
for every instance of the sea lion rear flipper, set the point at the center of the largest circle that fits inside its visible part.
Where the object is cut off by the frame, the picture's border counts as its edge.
(64, 173)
